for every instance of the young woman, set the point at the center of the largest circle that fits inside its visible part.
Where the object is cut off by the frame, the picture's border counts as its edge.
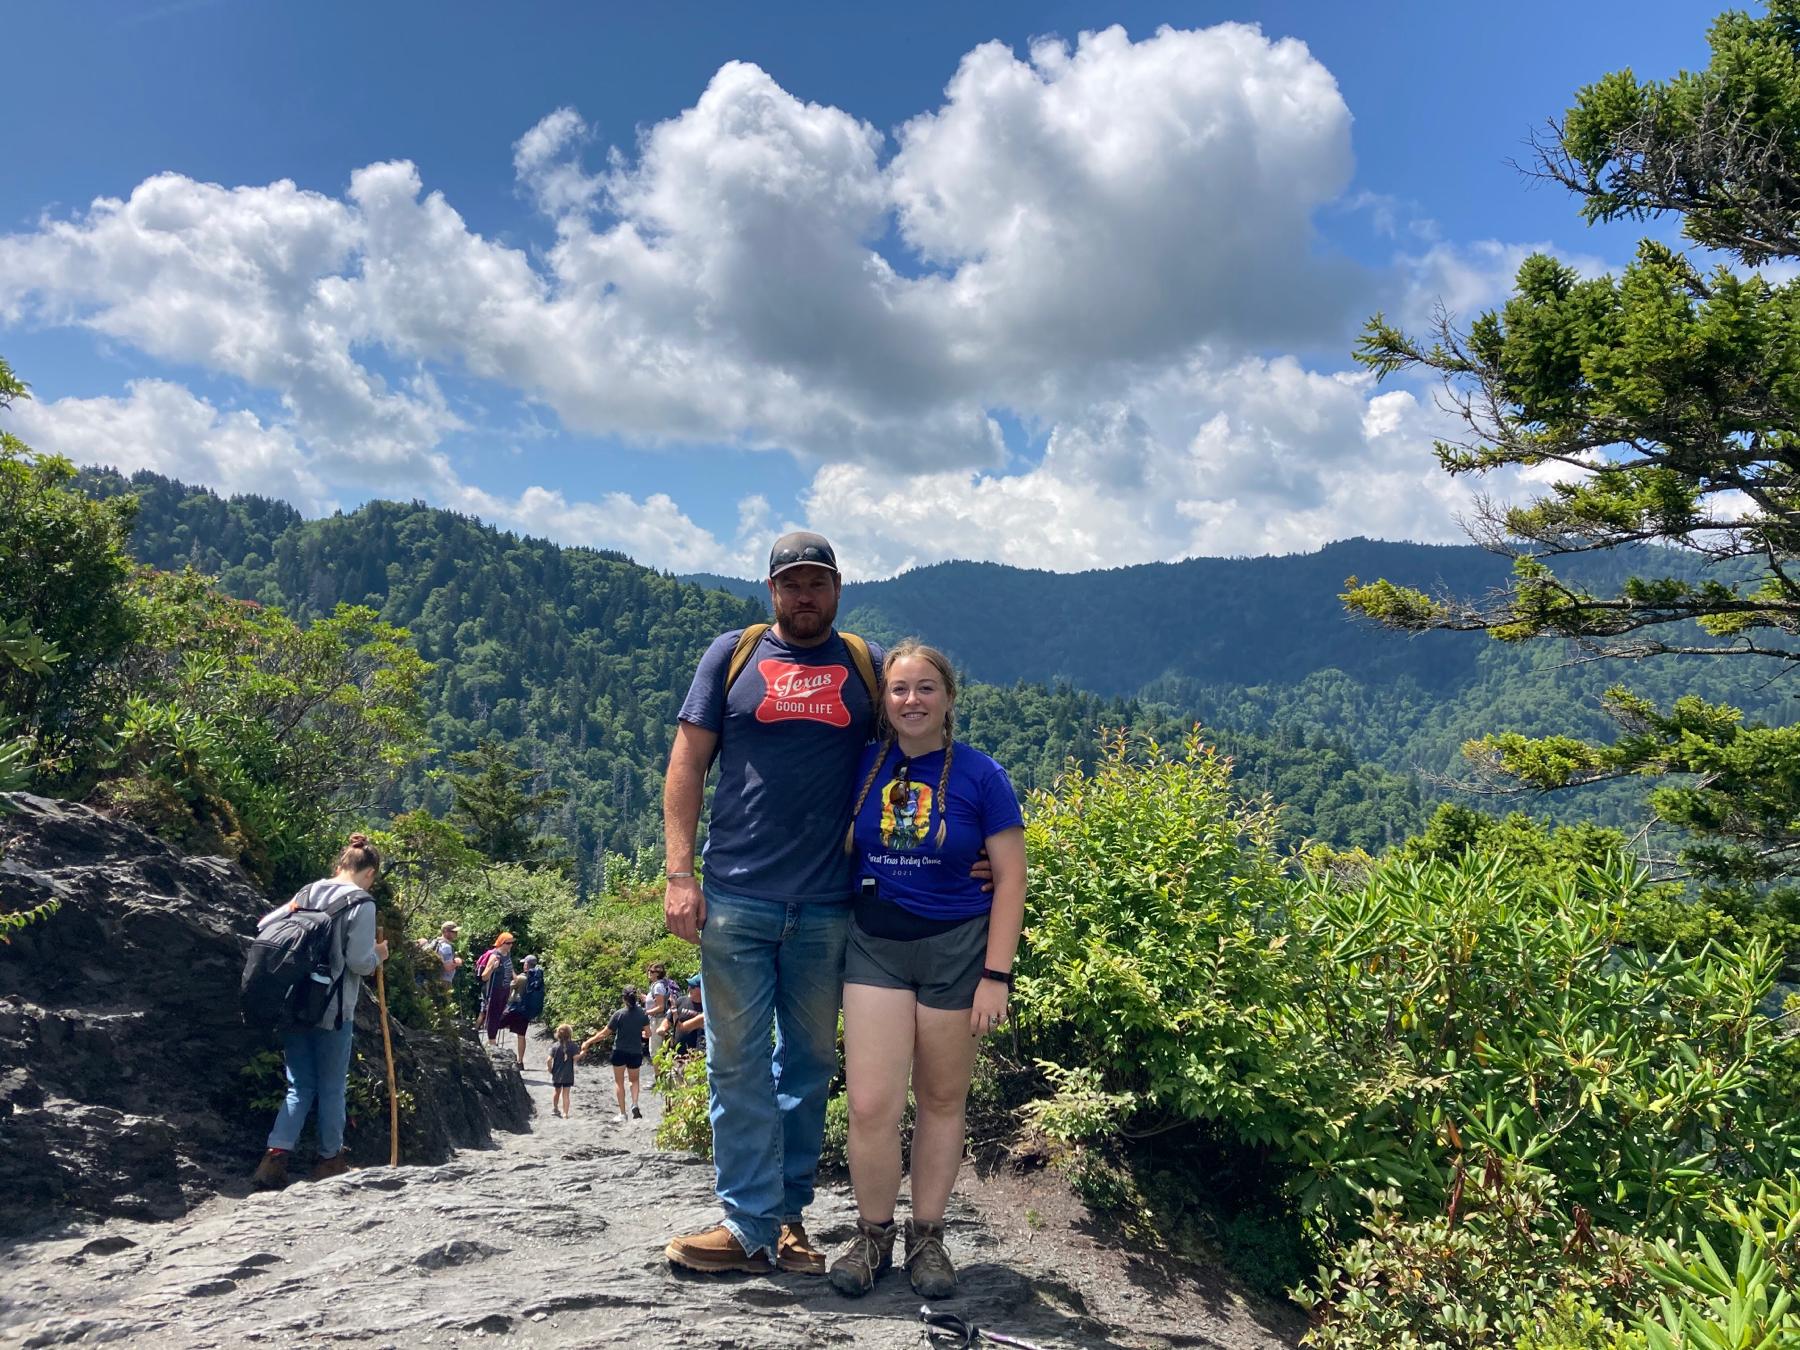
(318, 1058)
(929, 964)
(626, 1031)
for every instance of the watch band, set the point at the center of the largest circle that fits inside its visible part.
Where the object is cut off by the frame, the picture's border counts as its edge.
(678, 876)
(1005, 977)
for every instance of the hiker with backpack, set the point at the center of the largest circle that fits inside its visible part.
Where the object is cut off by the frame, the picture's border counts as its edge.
(525, 1004)
(659, 1003)
(494, 969)
(785, 708)
(303, 977)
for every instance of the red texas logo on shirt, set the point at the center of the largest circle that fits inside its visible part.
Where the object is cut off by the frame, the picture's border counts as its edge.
(795, 693)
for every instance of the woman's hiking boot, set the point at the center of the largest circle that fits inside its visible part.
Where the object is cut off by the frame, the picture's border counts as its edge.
(795, 1253)
(271, 1172)
(326, 1168)
(933, 1275)
(714, 1252)
(864, 1258)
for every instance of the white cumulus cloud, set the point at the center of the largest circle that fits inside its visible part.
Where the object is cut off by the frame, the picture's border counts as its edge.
(1100, 239)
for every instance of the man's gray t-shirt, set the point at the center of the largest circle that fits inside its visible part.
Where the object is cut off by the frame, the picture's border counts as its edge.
(790, 735)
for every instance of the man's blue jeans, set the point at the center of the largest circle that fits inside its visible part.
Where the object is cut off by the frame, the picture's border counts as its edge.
(318, 1067)
(769, 967)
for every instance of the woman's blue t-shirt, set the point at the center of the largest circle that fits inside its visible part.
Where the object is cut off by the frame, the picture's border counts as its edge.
(896, 829)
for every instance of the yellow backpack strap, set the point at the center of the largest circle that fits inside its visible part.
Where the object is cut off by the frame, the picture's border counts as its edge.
(740, 654)
(865, 665)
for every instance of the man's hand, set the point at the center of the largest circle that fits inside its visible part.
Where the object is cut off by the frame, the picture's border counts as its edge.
(684, 908)
(381, 950)
(983, 871)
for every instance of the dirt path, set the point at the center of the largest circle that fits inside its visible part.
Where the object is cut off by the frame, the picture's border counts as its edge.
(555, 1238)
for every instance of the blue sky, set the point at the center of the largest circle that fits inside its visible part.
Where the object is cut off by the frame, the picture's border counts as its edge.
(956, 280)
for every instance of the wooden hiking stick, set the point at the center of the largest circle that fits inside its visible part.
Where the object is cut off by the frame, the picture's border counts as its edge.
(387, 1050)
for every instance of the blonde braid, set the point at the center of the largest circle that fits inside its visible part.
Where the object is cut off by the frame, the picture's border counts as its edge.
(943, 802)
(863, 796)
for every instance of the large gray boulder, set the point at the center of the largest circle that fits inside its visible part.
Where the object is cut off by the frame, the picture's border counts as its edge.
(123, 1062)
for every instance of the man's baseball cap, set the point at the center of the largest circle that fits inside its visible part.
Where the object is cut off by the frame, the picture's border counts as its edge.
(694, 983)
(448, 927)
(801, 548)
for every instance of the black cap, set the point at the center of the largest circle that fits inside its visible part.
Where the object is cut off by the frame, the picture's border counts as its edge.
(801, 548)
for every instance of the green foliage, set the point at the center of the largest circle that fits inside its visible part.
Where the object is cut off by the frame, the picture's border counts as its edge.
(244, 734)
(592, 961)
(685, 1122)
(493, 808)
(1505, 1269)
(1711, 1303)
(1451, 1011)
(64, 608)
(1667, 396)
(536, 905)
(1145, 942)
(575, 660)
(1079, 1109)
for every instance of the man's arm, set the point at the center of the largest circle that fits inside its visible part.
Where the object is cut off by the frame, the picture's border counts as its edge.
(684, 907)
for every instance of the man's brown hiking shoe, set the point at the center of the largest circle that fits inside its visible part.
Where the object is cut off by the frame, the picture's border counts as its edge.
(714, 1252)
(326, 1168)
(933, 1276)
(863, 1258)
(795, 1253)
(271, 1172)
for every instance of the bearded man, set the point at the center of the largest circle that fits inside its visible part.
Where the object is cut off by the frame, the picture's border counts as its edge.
(786, 709)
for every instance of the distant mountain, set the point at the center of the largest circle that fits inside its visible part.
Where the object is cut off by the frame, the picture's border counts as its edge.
(579, 659)
(1263, 646)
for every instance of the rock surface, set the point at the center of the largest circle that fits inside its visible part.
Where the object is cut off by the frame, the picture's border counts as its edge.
(552, 1239)
(122, 1055)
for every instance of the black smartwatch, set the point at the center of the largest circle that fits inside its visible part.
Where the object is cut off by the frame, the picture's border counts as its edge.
(1005, 977)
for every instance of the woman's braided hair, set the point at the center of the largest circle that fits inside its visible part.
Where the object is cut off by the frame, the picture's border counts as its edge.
(947, 675)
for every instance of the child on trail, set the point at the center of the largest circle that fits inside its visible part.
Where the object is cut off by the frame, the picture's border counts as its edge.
(561, 1064)
(626, 1031)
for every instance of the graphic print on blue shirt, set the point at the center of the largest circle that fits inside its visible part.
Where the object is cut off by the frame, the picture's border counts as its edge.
(790, 734)
(896, 830)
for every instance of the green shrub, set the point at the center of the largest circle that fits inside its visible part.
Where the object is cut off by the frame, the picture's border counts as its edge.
(1504, 1266)
(597, 955)
(685, 1122)
(1152, 934)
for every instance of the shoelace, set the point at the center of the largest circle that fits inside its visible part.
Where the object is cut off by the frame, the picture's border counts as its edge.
(924, 1245)
(870, 1252)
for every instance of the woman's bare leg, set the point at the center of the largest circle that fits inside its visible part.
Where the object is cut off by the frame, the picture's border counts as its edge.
(878, 1048)
(943, 1060)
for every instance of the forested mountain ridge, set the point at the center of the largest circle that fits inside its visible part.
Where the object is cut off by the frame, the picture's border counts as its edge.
(1264, 647)
(578, 659)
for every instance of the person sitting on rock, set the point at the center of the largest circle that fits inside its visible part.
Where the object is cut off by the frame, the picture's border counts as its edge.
(626, 1030)
(318, 1057)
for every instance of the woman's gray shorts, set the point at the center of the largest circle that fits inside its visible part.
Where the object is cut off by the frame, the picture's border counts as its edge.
(942, 971)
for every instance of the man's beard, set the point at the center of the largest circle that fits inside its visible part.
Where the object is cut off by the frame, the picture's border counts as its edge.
(808, 623)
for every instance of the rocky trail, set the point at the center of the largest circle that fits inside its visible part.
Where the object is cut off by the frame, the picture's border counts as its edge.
(554, 1238)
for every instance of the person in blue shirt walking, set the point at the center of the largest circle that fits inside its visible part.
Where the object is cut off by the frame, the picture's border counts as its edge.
(929, 962)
